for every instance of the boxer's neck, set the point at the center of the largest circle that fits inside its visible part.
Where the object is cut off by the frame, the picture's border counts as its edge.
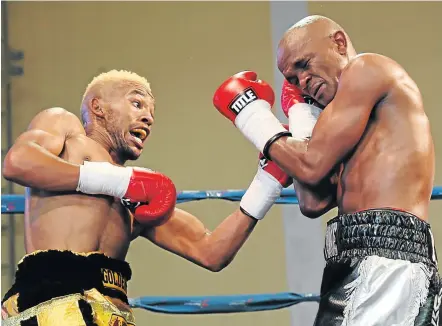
(103, 138)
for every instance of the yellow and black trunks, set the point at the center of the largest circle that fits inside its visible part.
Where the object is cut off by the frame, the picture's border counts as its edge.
(66, 288)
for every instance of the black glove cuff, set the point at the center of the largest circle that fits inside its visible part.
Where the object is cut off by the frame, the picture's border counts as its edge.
(269, 143)
(247, 213)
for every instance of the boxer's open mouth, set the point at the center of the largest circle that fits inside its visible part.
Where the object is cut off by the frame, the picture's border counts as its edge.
(140, 133)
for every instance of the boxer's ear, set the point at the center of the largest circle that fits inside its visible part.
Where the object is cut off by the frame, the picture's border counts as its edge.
(96, 106)
(340, 40)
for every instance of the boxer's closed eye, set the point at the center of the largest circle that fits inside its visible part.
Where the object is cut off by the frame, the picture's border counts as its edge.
(302, 64)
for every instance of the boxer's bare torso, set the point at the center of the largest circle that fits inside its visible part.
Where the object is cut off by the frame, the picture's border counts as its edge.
(71, 220)
(374, 130)
(78, 222)
(393, 163)
(117, 114)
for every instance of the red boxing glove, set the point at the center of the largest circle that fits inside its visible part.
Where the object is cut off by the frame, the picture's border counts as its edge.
(290, 96)
(152, 195)
(247, 102)
(240, 90)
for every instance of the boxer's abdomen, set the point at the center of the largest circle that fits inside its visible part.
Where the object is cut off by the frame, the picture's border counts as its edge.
(393, 164)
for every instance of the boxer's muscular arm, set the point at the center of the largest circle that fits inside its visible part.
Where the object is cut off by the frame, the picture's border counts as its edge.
(314, 201)
(340, 126)
(186, 236)
(318, 200)
(33, 159)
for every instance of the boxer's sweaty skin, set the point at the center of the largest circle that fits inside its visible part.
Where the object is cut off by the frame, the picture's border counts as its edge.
(393, 164)
(386, 148)
(68, 220)
(47, 157)
(59, 217)
(75, 221)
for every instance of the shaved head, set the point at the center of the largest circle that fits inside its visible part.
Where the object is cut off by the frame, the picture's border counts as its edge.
(311, 28)
(314, 21)
(311, 55)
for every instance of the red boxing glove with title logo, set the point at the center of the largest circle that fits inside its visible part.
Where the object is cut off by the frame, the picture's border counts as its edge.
(247, 102)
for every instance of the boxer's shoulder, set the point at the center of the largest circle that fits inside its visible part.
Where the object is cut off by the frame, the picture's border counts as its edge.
(57, 113)
(373, 65)
(370, 72)
(77, 146)
(58, 119)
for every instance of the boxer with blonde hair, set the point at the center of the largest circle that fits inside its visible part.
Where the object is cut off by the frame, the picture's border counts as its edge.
(84, 207)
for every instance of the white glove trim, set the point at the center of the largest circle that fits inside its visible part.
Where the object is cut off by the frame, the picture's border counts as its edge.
(104, 178)
(261, 194)
(302, 120)
(258, 124)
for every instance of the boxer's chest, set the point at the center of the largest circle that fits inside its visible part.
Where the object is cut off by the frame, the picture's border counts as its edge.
(81, 148)
(122, 213)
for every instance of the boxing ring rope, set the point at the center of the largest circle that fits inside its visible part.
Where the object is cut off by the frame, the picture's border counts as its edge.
(16, 204)
(225, 304)
(209, 304)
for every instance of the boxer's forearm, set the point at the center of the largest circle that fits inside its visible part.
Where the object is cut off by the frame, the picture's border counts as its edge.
(295, 159)
(185, 235)
(31, 165)
(226, 240)
(315, 201)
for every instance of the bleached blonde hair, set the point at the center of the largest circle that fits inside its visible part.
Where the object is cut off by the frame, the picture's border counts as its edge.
(113, 78)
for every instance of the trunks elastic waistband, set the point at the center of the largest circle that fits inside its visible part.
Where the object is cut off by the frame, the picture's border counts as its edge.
(386, 233)
(44, 275)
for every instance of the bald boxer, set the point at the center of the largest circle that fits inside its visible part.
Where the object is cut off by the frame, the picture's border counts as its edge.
(381, 266)
(84, 207)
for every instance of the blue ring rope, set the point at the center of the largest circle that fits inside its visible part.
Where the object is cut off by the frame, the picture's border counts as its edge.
(209, 304)
(16, 204)
(224, 304)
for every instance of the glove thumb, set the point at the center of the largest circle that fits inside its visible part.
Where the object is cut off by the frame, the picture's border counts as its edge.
(249, 75)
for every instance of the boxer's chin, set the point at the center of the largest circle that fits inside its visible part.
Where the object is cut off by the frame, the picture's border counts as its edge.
(130, 152)
(133, 148)
(327, 96)
(134, 153)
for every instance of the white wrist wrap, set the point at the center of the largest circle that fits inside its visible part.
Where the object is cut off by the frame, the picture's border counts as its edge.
(261, 194)
(104, 178)
(258, 124)
(302, 120)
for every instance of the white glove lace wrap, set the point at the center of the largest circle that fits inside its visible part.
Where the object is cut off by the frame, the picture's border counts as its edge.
(104, 178)
(261, 195)
(259, 125)
(302, 120)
